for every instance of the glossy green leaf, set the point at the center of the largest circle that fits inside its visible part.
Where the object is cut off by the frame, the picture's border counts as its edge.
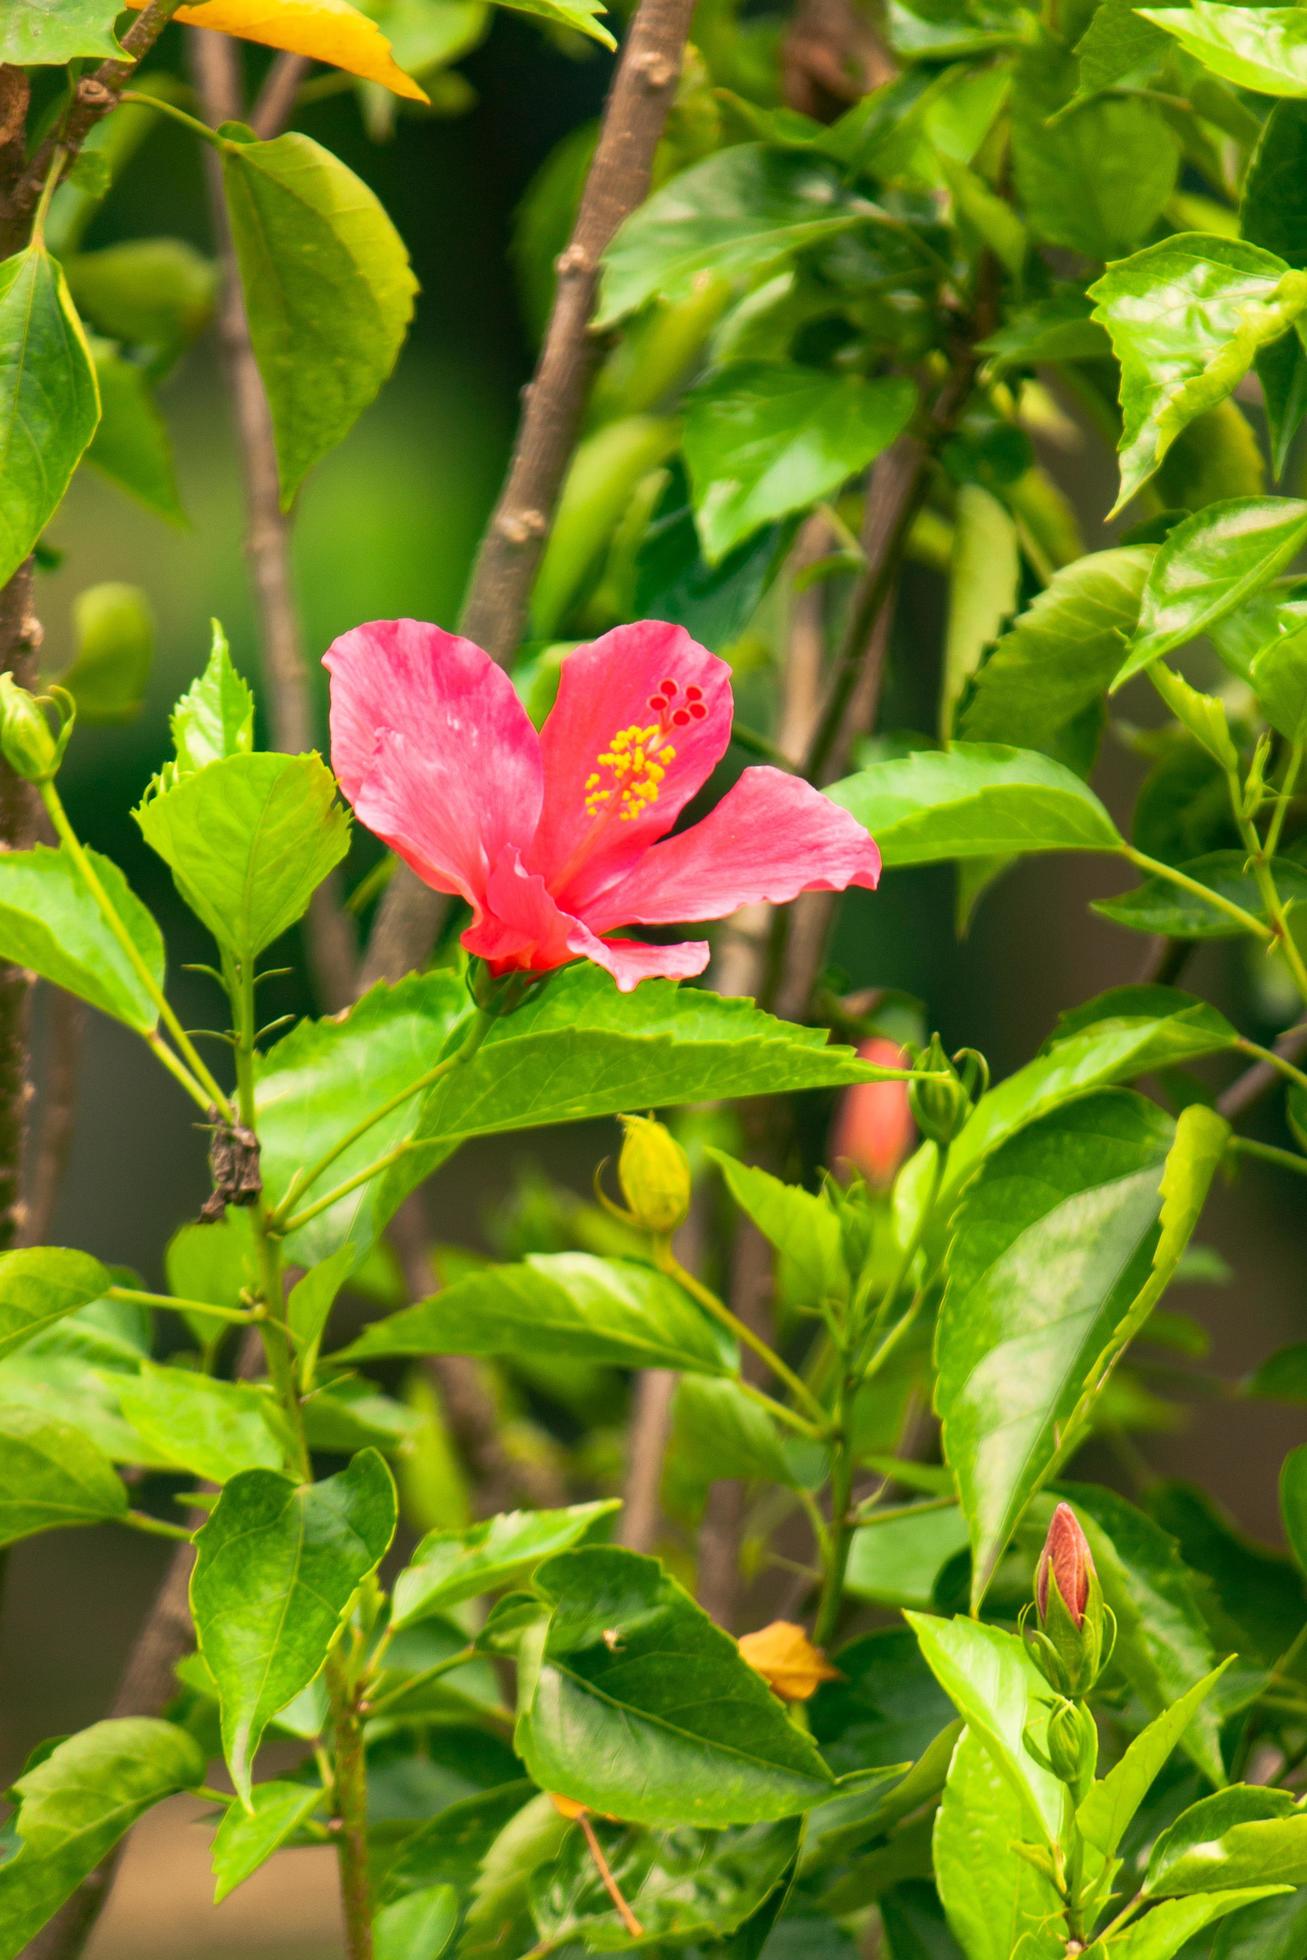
(1110, 1805)
(802, 1226)
(451, 1566)
(114, 630)
(738, 212)
(1156, 905)
(51, 1474)
(1203, 715)
(50, 923)
(992, 1897)
(39, 1285)
(1273, 213)
(896, 1561)
(212, 1428)
(565, 1303)
(764, 439)
(673, 580)
(48, 401)
(216, 1261)
(1274, 1930)
(277, 1565)
(1118, 46)
(1262, 48)
(55, 31)
(1168, 1928)
(1279, 677)
(246, 1839)
(131, 443)
(248, 841)
(975, 799)
(73, 1806)
(638, 1706)
(1293, 1503)
(682, 1885)
(992, 1682)
(1053, 1245)
(214, 718)
(1060, 654)
(984, 582)
(1186, 318)
(1210, 564)
(328, 290)
(423, 1922)
(1244, 1835)
(309, 1304)
(450, 1848)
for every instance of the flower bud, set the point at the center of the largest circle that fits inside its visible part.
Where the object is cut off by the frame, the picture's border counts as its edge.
(31, 747)
(1070, 1648)
(873, 1129)
(942, 1107)
(1073, 1746)
(654, 1173)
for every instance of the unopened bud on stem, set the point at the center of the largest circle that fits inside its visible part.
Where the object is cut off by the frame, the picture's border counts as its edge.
(1076, 1632)
(941, 1107)
(31, 746)
(654, 1173)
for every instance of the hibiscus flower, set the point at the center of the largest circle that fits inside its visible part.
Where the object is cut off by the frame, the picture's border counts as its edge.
(557, 839)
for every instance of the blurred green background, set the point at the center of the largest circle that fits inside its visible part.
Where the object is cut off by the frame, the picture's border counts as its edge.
(388, 526)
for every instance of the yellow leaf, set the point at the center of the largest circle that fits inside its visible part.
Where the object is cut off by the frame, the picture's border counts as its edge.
(787, 1660)
(324, 30)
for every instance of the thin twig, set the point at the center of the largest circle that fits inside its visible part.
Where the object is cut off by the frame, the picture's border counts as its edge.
(495, 609)
(65, 1028)
(215, 65)
(20, 637)
(275, 103)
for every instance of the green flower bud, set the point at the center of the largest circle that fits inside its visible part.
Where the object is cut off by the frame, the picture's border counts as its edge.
(31, 747)
(1076, 1630)
(1073, 1746)
(654, 1173)
(940, 1108)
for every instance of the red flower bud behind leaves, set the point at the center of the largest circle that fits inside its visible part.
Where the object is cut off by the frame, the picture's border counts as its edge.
(1067, 1557)
(873, 1128)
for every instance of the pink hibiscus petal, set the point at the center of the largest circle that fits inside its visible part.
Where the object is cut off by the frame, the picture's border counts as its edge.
(433, 748)
(771, 837)
(523, 930)
(642, 718)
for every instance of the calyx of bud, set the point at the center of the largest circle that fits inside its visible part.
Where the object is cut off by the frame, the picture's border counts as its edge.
(941, 1107)
(654, 1174)
(1072, 1746)
(31, 746)
(1076, 1632)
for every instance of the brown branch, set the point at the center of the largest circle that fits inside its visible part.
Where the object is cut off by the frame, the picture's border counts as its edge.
(20, 637)
(495, 609)
(66, 1026)
(215, 65)
(275, 103)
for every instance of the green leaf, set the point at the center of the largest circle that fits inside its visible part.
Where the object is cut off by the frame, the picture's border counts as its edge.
(1246, 1835)
(984, 582)
(40, 1284)
(802, 1226)
(1117, 46)
(246, 1839)
(48, 401)
(277, 1565)
(326, 1076)
(896, 1561)
(131, 443)
(991, 1895)
(75, 1804)
(55, 31)
(720, 1433)
(1059, 655)
(565, 1303)
(1210, 564)
(114, 631)
(992, 1682)
(328, 290)
(681, 1884)
(738, 213)
(1203, 715)
(449, 1849)
(975, 799)
(1169, 1928)
(214, 1429)
(1186, 318)
(1273, 214)
(1279, 677)
(152, 293)
(449, 1567)
(1107, 1810)
(248, 841)
(1053, 1246)
(426, 1921)
(1159, 906)
(50, 923)
(50, 1474)
(1274, 1930)
(309, 1304)
(214, 718)
(1261, 48)
(1293, 1503)
(765, 439)
(638, 1706)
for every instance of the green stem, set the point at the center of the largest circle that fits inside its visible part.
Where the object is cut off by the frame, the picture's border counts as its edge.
(350, 1806)
(870, 1513)
(476, 1034)
(285, 1226)
(1266, 885)
(781, 1412)
(1270, 1153)
(1280, 1063)
(839, 1534)
(155, 1527)
(72, 843)
(708, 1300)
(384, 1703)
(173, 1304)
(1158, 869)
(1291, 771)
(170, 109)
(885, 1305)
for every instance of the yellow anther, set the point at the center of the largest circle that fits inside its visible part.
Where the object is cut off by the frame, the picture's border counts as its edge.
(635, 766)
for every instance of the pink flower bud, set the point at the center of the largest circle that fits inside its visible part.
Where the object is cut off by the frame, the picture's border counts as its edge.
(1066, 1555)
(873, 1128)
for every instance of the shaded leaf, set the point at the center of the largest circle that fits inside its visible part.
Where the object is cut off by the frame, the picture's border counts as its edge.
(451, 1566)
(114, 630)
(1279, 678)
(246, 1839)
(1167, 1929)
(1245, 1835)
(40, 1285)
(131, 443)
(1157, 905)
(214, 1429)
(423, 1922)
(682, 1885)
(50, 923)
(50, 1474)
(48, 401)
(1210, 564)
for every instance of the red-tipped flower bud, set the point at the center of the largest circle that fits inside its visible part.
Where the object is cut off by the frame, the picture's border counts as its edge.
(873, 1127)
(1068, 1561)
(1073, 1641)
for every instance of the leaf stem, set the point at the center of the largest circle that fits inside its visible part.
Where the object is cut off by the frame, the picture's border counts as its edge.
(285, 1226)
(154, 1527)
(1265, 879)
(394, 1696)
(1291, 771)
(1270, 1153)
(708, 1300)
(1159, 869)
(839, 1534)
(1273, 1060)
(173, 1304)
(170, 109)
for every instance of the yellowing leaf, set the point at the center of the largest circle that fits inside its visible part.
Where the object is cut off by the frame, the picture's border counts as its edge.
(787, 1660)
(324, 30)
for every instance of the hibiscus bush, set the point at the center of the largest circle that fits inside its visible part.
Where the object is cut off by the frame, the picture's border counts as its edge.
(759, 1554)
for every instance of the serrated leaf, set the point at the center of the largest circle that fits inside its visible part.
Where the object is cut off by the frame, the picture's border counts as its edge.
(328, 290)
(1118, 45)
(975, 799)
(48, 401)
(1262, 48)
(215, 717)
(214, 1429)
(449, 1567)
(991, 1895)
(248, 841)
(1210, 564)
(246, 1839)
(51, 32)
(1186, 318)
(802, 1226)
(50, 923)
(765, 439)
(277, 1565)
(1158, 906)
(640, 1707)
(1109, 1806)
(50, 1474)
(40, 1285)
(566, 1303)
(332, 31)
